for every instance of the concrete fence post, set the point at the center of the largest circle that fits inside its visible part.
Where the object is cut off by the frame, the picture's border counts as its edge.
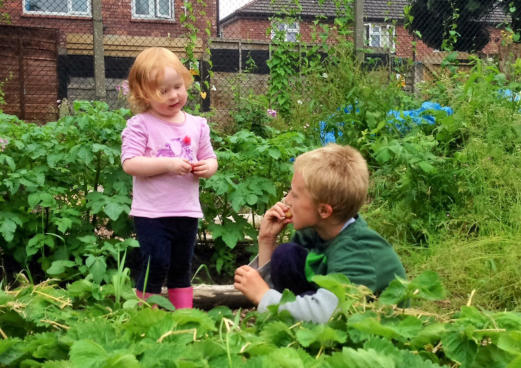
(99, 54)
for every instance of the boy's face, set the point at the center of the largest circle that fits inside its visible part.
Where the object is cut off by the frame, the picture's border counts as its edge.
(303, 208)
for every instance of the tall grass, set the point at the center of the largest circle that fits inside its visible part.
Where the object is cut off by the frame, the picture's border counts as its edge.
(447, 195)
(483, 272)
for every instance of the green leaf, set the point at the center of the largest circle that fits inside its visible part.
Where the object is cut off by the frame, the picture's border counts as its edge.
(87, 239)
(516, 363)
(360, 359)
(161, 301)
(394, 293)
(230, 232)
(11, 351)
(114, 210)
(274, 153)
(37, 242)
(58, 267)
(322, 334)
(336, 283)
(41, 198)
(7, 228)
(429, 286)
(510, 341)
(54, 158)
(63, 224)
(427, 167)
(277, 333)
(97, 267)
(431, 334)
(251, 199)
(459, 347)
(122, 360)
(287, 297)
(80, 288)
(194, 318)
(408, 327)
(285, 357)
(426, 286)
(4, 159)
(87, 354)
(373, 326)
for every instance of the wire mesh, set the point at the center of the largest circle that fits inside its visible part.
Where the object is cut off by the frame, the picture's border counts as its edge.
(47, 47)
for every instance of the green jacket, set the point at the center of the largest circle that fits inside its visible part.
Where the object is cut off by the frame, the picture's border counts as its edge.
(358, 252)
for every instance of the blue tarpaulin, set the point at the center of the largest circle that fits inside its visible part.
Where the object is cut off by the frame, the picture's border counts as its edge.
(400, 118)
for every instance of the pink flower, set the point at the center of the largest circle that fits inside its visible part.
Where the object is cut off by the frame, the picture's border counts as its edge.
(3, 143)
(123, 88)
(272, 113)
(187, 140)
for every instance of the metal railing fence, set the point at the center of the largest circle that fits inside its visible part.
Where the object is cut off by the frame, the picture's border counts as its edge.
(57, 50)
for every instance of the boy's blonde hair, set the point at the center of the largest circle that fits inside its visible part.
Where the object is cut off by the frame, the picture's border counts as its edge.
(146, 73)
(335, 175)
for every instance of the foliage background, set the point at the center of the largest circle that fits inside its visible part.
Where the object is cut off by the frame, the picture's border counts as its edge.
(446, 194)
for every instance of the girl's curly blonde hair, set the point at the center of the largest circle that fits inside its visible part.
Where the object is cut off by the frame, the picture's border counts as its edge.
(146, 73)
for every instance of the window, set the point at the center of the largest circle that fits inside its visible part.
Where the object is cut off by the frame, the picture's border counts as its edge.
(58, 7)
(152, 9)
(289, 30)
(380, 35)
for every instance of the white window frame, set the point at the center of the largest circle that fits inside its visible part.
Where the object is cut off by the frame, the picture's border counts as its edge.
(70, 11)
(289, 29)
(385, 32)
(153, 5)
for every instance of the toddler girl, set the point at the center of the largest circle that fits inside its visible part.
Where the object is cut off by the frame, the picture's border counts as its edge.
(166, 150)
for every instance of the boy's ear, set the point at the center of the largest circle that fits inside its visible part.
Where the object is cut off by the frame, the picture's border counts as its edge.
(325, 210)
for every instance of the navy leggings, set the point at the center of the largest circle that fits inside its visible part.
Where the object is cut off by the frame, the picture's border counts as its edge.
(288, 263)
(168, 242)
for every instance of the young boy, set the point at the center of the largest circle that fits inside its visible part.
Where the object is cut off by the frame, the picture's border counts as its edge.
(328, 188)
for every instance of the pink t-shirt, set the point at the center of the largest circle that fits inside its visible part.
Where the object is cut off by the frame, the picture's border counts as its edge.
(166, 195)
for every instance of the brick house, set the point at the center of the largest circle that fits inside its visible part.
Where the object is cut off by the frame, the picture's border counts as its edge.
(46, 48)
(383, 21)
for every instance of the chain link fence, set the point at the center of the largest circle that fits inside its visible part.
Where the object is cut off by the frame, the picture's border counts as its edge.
(53, 51)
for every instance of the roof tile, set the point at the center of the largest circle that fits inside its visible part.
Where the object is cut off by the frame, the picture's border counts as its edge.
(373, 9)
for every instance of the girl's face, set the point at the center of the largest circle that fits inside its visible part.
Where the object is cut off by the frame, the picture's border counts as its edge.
(173, 90)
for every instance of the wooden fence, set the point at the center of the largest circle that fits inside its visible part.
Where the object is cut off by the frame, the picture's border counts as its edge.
(28, 72)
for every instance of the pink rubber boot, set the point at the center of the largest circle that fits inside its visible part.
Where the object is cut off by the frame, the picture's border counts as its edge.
(181, 297)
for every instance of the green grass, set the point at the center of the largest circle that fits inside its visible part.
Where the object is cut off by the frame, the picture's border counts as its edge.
(484, 272)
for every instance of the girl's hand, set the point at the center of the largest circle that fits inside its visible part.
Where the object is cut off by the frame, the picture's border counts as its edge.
(179, 166)
(204, 168)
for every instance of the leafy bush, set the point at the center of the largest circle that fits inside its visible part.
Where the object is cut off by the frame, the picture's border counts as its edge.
(64, 199)
(254, 173)
(62, 185)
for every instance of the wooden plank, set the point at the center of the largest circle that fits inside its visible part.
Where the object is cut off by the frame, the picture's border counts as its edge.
(209, 296)
(127, 46)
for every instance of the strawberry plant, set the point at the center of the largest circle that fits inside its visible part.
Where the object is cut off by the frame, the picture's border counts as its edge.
(45, 325)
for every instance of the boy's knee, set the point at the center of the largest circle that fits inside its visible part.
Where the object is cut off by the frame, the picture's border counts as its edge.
(288, 251)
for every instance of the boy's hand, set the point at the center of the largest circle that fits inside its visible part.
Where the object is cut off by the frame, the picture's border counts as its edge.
(274, 220)
(249, 282)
